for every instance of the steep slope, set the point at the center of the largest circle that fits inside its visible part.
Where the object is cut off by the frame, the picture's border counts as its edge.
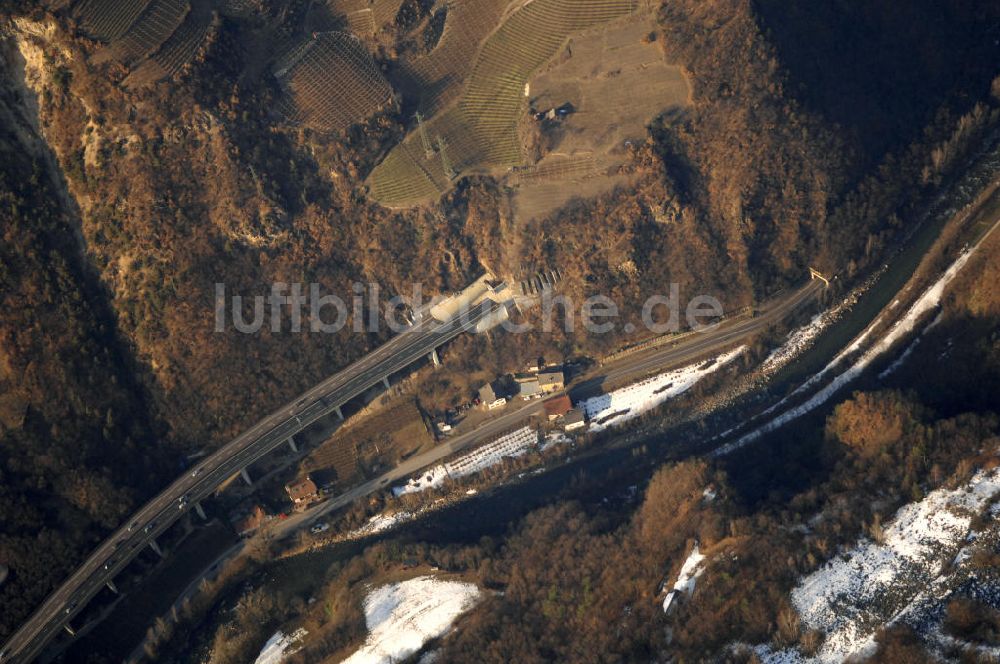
(75, 434)
(193, 182)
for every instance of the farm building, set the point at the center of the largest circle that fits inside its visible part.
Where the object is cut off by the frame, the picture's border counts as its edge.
(302, 491)
(558, 406)
(551, 381)
(529, 389)
(487, 394)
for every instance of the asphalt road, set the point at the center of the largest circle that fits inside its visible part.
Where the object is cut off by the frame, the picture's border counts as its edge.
(686, 350)
(700, 344)
(410, 345)
(161, 512)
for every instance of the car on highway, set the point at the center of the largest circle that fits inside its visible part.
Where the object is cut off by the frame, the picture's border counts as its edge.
(148, 529)
(196, 472)
(319, 528)
(69, 609)
(133, 526)
(182, 502)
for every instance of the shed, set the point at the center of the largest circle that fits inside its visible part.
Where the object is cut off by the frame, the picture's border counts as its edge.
(574, 420)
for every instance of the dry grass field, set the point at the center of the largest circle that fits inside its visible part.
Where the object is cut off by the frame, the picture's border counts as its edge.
(616, 81)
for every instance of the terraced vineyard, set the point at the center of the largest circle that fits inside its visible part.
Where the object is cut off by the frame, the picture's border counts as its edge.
(385, 11)
(480, 129)
(331, 82)
(405, 176)
(365, 17)
(436, 78)
(361, 22)
(177, 51)
(108, 19)
(147, 33)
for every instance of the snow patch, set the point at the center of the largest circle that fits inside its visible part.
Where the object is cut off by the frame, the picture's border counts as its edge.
(402, 617)
(873, 584)
(511, 445)
(929, 300)
(554, 438)
(619, 406)
(798, 341)
(690, 571)
(381, 522)
(279, 646)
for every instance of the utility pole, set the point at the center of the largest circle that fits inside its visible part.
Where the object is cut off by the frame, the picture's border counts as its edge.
(445, 162)
(424, 138)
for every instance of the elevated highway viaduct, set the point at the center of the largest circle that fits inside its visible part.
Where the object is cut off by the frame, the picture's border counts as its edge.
(419, 340)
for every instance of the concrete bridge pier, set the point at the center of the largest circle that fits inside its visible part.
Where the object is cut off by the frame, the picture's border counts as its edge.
(69, 629)
(340, 414)
(111, 586)
(291, 444)
(156, 547)
(385, 381)
(246, 476)
(434, 358)
(201, 511)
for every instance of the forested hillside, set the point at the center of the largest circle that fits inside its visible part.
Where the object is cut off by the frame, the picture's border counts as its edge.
(586, 581)
(110, 370)
(78, 443)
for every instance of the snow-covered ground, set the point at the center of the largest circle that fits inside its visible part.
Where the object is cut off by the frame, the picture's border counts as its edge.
(799, 340)
(554, 438)
(686, 578)
(690, 571)
(624, 404)
(802, 339)
(510, 445)
(402, 617)
(381, 522)
(280, 645)
(904, 579)
(928, 301)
